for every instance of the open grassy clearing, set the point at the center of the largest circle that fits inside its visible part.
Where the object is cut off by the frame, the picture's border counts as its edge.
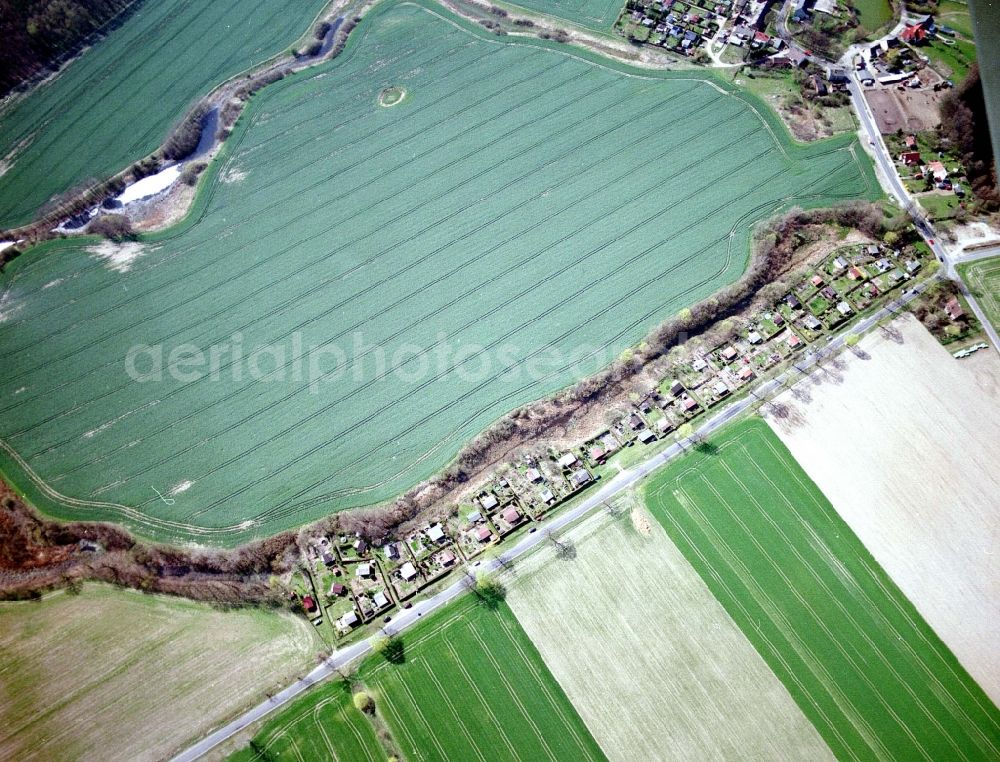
(983, 280)
(651, 661)
(322, 725)
(597, 15)
(473, 686)
(111, 675)
(917, 431)
(872, 14)
(117, 102)
(865, 668)
(516, 222)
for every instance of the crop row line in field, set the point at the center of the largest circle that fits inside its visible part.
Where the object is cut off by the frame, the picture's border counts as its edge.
(655, 310)
(474, 687)
(378, 285)
(784, 629)
(820, 671)
(880, 616)
(835, 638)
(289, 223)
(343, 302)
(488, 347)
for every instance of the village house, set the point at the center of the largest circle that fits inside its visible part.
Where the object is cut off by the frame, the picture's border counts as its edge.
(475, 517)
(567, 460)
(676, 388)
(729, 354)
(347, 621)
(511, 515)
(844, 308)
(483, 534)
(954, 309)
(533, 475)
(446, 559)
(407, 571)
(436, 534)
(488, 501)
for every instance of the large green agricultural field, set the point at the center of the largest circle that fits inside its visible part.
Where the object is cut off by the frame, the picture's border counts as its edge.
(865, 668)
(983, 279)
(116, 674)
(322, 725)
(518, 219)
(117, 102)
(472, 686)
(597, 15)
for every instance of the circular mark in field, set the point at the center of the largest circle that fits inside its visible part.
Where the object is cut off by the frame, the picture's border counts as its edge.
(391, 96)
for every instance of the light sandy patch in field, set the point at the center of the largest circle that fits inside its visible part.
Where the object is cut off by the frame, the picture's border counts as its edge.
(649, 658)
(115, 675)
(906, 445)
(119, 256)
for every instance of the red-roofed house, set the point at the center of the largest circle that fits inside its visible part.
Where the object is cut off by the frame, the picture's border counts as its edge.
(937, 169)
(483, 534)
(910, 158)
(954, 309)
(512, 516)
(309, 604)
(915, 34)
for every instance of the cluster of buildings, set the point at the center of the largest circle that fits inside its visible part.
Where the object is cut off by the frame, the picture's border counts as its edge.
(352, 583)
(679, 25)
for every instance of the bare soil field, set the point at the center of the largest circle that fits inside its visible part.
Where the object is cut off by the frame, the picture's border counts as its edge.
(651, 661)
(904, 440)
(118, 675)
(909, 110)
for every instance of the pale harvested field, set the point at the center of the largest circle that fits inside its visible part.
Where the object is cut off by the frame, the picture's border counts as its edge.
(906, 445)
(115, 675)
(651, 661)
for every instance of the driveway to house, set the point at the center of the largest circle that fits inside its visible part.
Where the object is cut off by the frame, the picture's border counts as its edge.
(597, 499)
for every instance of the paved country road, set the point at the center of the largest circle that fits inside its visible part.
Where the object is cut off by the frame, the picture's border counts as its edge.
(595, 500)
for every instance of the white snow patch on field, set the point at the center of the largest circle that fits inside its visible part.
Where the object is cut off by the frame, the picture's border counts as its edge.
(8, 307)
(108, 424)
(233, 175)
(119, 256)
(150, 186)
(177, 489)
(52, 283)
(906, 446)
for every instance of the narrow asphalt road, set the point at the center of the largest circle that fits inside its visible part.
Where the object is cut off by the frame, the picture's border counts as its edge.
(596, 499)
